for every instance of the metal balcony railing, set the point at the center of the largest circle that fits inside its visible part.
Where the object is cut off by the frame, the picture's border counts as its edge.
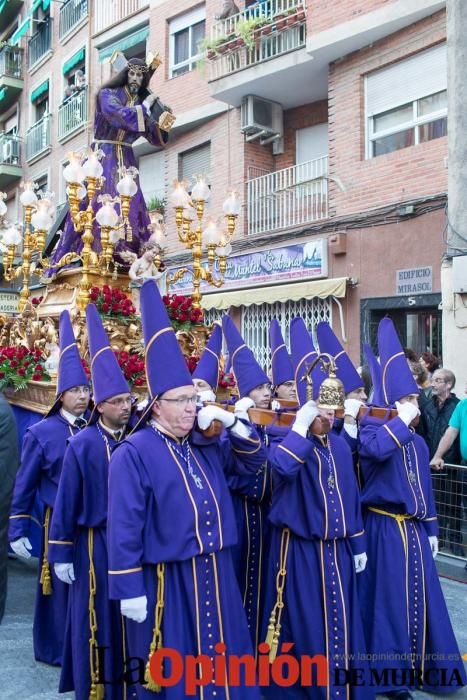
(38, 137)
(276, 27)
(9, 150)
(290, 197)
(108, 13)
(71, 12)
(73, 113)
(11, 61)
(40, 42)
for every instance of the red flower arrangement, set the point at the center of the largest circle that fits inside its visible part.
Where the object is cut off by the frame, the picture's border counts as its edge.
(35, 301)
(18, 365)
(181, 312)
(191, 362)
(132, 366)
(226, 380)
(112, 302)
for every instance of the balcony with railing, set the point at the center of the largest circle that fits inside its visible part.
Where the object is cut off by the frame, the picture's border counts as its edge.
(71, 14)
(73, 114)
(10, 160)
(40, 43)
(287, 198)
(112, 11)
(11, 76)
(250, 53)
(38, 140)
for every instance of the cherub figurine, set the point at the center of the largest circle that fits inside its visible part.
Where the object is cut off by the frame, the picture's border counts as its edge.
(144, 267)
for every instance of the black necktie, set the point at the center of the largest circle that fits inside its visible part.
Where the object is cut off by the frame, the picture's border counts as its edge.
(80, 423)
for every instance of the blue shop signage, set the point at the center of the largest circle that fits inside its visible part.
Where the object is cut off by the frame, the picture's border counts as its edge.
(288, 263)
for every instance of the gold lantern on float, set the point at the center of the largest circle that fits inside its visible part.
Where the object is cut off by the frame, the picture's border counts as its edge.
(331, 394)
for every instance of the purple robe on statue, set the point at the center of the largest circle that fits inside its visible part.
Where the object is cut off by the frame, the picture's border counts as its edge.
(169, 503)
(316, 531)
(79, 527)
(41, 465)
(120, 119)
(405, 617)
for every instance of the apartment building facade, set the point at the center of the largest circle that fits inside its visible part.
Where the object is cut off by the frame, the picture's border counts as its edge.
(331, 126)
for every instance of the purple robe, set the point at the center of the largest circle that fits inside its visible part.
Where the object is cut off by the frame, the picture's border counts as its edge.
(169, 503)
(119, 118)
(316, 520)
(80, 513)
(41, 465)
(251, 497)
(403, 607)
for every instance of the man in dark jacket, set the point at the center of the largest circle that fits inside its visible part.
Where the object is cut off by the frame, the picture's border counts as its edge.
(435, 415)
(8, 467)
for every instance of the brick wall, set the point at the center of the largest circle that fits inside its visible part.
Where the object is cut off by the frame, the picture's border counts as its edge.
(398, 176)
(323, 15)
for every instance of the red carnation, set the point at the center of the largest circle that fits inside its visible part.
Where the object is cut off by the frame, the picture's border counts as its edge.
(21, 371)
(105, 307)
(94, 296)
(95, 290)
(37, 377)
(139, 381)
(13, 364)
(106, 289)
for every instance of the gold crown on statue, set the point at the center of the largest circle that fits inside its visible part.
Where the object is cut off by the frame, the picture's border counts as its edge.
(139, 70)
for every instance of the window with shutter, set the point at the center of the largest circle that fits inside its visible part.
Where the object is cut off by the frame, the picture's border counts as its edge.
(185, 33)
(196, 161)
(406, 103)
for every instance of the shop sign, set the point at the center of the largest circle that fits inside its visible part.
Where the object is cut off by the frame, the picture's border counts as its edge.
(289, 263)
(414, 280)
(9, 302)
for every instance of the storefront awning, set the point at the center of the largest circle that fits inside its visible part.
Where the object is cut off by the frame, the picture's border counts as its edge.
(71, 63)
(282, 292)
(43, 87)
(124, 43)
(22, 29)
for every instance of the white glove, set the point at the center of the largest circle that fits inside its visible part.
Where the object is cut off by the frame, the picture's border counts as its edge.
(135, 608)
(22, 547)
(209, 413)
(407, 412)
(242, 406)
(65, 572)
(433, 540)
(206, 395)
(275, 405)
(360, 561)
(352, 407)
(305, 417)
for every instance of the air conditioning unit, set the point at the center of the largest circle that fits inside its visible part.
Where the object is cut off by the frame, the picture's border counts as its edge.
(261, 119)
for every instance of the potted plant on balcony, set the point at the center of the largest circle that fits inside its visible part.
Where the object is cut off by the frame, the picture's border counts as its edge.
(157, 204)
(291, 17)
(301, 15)
(247, 29)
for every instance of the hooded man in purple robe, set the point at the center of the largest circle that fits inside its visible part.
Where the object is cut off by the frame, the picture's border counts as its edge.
(93, 649)
(317, 547)
(125, 111)
(41, 465)
(171, 525)
(406, 622)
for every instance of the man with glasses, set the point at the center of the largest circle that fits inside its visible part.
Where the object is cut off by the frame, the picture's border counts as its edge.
(41, 465)
(171, 525)
(77, 543)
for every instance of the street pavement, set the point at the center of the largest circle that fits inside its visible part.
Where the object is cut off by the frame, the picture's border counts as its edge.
(22, 678)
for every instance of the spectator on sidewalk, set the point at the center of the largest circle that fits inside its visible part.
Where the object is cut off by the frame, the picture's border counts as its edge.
(436, 413)
(457, 429)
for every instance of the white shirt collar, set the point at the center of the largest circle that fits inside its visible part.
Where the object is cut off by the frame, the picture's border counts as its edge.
(69, 416)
